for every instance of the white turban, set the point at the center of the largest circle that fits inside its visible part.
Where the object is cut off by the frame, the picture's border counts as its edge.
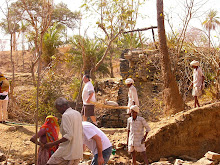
(135, 108)
(194, 63)
(129, 81)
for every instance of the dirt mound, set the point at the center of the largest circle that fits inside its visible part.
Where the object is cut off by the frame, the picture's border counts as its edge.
(191, 133)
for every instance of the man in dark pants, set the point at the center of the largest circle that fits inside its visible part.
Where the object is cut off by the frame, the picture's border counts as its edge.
(88, 96)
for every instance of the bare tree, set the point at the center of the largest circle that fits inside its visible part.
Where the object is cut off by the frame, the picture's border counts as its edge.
(11, 26)
(190, 9)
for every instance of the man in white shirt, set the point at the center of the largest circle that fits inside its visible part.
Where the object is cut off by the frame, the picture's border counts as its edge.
(97, 142)
(70, 149)
(198, 81)
(88, 96)
(136, 137)
(132, 94)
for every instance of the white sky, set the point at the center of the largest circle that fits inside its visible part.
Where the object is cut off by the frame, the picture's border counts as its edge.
(173, 7)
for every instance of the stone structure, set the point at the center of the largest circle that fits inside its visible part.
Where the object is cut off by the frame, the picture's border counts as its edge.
(109, 89)
(140, 65)
(144, 68)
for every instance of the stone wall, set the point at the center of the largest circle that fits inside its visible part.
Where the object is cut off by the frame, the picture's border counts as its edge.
(138, 64)
(144, 68)
(141, 66)
(110, 90)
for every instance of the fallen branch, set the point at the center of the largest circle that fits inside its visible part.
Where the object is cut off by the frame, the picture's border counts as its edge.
(143, 29)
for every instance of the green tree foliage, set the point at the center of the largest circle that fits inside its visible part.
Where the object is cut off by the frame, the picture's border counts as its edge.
(51, 40)
(50, 90)
(126, 41)
(85, 53)
(211, 22)
(114, 17)
(63, 15)
(39, 16)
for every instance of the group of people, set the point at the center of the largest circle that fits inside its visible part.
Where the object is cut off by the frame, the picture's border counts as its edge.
(77, 132)
(76, 135)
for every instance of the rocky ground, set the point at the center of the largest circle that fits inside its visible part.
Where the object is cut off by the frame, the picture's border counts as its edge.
(16, 148)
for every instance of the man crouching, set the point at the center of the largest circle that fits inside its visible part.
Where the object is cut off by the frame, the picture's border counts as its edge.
(136, 137)
(97, 142)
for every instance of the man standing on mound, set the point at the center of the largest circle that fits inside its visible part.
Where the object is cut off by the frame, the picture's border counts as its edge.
(198, 81)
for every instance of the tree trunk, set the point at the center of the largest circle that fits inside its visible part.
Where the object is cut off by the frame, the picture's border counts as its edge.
(218, 83)
(110, 64)
(14, 43)
(32, 73)
(172, 98)
(13, 71)
(23, 49)
(209, 31)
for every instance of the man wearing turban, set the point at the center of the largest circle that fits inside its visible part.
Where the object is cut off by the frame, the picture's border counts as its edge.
(198, 81)
(136, 134)
(132, 94)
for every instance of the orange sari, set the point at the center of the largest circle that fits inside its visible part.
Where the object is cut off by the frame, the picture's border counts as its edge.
(51, 127)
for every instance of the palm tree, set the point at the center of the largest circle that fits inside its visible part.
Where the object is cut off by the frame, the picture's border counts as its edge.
(84, 55)
(211, 22)
(51, 40)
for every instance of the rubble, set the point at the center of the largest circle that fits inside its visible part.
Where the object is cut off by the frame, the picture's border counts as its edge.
(212, 156)
(2, 157)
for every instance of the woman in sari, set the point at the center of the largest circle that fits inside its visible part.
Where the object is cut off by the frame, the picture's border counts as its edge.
(48, 132)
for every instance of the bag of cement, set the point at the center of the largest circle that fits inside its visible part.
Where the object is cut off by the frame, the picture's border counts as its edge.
(113, 103)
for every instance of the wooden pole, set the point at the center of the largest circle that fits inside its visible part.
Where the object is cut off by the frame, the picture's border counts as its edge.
(154, 38)
(79, 94)
(143, 29)
(37, 109)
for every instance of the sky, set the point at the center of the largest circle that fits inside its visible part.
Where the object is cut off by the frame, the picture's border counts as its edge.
(172, 8)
